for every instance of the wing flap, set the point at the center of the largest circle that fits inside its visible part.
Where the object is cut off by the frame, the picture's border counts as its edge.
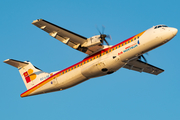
(141, 66)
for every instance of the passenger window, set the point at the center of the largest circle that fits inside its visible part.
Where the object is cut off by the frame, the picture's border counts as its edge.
(72, 68)
(134, 38)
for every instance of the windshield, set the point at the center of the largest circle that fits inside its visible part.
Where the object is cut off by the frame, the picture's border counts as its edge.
(158, 26)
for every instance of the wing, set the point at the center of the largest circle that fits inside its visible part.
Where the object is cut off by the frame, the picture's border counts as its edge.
(141, 66)
(67, 37)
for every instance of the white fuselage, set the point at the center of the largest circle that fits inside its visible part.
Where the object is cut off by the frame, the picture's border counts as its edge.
(107, 61)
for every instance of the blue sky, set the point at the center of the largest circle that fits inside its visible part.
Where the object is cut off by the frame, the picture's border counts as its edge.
(125, 95)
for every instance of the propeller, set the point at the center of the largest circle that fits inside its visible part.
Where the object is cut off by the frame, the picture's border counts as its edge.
(103, 36)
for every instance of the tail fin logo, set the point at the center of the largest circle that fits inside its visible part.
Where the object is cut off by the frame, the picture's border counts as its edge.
(29, 75)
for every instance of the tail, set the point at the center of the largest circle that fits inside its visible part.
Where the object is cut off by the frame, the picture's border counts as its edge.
(30, 74)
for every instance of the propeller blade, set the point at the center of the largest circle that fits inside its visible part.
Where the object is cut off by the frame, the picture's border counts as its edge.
(109, 36)
(106, 42)
(98, 29)
(103, 29)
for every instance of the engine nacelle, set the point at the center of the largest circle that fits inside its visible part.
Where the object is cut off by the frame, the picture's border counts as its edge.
(95, 40)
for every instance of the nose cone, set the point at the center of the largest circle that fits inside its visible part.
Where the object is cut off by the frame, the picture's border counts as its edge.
(174, 31)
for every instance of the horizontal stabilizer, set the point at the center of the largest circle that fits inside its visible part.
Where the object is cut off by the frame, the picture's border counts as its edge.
(16, 63)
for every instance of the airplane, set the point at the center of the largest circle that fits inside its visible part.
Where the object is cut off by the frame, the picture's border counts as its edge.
(101, 60)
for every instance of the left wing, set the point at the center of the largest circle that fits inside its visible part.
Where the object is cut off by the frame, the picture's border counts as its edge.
(141, 66)
(67, 37)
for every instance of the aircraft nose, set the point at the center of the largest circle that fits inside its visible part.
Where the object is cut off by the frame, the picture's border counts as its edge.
(174, 31)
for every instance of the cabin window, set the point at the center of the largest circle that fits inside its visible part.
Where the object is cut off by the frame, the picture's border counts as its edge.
(109, 50)
(119, 45)
(116, 47)
(113, 49)
(81, 63)
(134, 38)
(72, 68)
(68, 69)
(128, 41)
(77, 65)
(94, 58)
(87, 60)
(122, 44)
(97, 56)
(106, 51)
(131, 40)
(91, 59)
(138, 37)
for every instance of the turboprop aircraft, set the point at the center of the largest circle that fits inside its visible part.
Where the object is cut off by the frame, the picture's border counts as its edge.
(102, 59)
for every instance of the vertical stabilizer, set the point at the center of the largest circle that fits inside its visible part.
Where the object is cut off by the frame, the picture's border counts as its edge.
(30, 74)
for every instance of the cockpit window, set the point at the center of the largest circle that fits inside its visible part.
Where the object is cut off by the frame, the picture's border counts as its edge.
(158, 26)
(164, 26)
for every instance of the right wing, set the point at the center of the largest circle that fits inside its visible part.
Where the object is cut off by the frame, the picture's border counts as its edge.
(67, 37)
(141, 66)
